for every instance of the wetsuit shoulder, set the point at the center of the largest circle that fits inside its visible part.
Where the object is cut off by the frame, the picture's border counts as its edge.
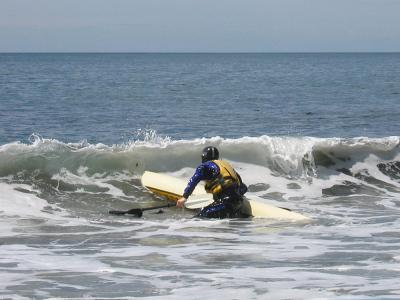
(205, 171)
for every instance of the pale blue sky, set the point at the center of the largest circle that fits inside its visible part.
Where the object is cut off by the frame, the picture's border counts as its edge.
(199, 25)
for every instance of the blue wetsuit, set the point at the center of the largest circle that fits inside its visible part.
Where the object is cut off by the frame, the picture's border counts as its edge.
(206, 171)
(228, 204)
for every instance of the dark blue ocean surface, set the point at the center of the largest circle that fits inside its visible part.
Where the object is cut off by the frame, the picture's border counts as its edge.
(107, 97)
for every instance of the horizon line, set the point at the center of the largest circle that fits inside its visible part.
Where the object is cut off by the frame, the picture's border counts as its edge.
(199, 52)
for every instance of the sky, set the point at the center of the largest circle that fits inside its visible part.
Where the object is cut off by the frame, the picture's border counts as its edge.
(199, 25)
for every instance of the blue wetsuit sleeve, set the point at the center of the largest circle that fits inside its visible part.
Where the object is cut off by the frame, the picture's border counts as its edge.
(196, 178)
(206, 171)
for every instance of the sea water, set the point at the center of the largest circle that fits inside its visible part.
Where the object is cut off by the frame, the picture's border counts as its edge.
(315, 133)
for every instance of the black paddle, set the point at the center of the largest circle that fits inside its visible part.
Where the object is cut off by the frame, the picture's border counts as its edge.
(288, 209)
(138, 211)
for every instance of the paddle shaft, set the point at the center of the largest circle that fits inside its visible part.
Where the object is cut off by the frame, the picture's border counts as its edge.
(158, 207)
(138, 211)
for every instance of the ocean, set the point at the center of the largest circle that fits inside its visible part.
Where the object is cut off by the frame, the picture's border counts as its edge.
(317, 133)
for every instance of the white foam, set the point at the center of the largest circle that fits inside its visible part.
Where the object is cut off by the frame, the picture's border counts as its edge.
(215, 258)
(16, 203)
(99, 180)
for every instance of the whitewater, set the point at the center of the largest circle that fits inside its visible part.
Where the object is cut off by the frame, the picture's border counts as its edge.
(58, 240)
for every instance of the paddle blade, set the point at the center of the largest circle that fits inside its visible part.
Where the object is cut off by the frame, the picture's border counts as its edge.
(134, 211)
(199, 201)
(117, 212)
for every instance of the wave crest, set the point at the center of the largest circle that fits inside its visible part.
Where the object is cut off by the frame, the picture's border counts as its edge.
(284, 156)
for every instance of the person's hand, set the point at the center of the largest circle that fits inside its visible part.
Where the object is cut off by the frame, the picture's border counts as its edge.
(181, 202)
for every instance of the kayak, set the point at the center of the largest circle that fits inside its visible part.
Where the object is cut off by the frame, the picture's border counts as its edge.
(172, 188)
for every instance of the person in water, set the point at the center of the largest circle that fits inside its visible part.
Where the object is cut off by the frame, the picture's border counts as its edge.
(222, 181)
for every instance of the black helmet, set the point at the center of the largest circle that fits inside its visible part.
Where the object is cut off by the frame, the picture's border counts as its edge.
(209, 153)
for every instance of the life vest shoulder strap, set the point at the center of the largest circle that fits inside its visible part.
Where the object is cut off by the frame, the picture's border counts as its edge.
(226, 170)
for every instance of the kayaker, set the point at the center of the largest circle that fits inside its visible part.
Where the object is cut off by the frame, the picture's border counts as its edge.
(222, 181)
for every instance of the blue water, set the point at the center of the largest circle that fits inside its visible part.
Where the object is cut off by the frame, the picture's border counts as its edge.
(107, 97)
(315, 133)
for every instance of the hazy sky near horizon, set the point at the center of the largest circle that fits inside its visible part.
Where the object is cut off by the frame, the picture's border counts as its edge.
(199, 25)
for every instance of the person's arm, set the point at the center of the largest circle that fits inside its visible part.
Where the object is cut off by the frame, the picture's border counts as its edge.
(196, 178)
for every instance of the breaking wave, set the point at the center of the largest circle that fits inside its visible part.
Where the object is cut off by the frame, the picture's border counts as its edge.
(274, 168)
(291, 157)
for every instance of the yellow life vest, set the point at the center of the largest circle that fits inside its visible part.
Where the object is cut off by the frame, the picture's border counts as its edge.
(226, 179)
